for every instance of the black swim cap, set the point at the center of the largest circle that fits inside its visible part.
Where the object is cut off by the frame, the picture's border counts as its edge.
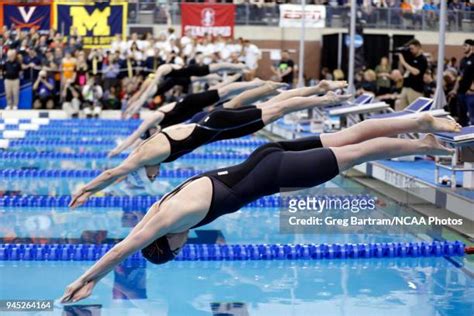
(159, 251)
(146, 134)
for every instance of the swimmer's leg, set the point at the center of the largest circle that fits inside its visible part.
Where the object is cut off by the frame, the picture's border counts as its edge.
(226, 81)
(386, 148)
(226, 67)
(235, 88)
(272, 111)
(322, 87)
(388, 127)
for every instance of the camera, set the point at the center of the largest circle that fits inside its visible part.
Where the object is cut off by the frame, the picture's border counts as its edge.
(404, 50)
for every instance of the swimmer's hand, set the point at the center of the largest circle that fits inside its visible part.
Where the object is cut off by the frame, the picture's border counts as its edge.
(114, 152)
(78, 290)
(79, 198)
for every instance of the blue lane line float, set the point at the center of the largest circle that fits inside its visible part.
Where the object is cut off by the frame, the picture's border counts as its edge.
(69, 143)
(103, 155)
(132, 203)
(219, 252)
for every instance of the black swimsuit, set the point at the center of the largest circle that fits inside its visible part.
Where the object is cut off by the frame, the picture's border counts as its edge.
(217, 125)
(189, 106)
(181, 77)
(274, 167)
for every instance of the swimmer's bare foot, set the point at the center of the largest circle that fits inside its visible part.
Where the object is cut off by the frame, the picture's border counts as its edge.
(332, 85)
(431, 146)
(333, 98)
(430, 124)
(273, 85)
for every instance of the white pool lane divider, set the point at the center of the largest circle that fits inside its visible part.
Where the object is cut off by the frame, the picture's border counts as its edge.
(18, 130)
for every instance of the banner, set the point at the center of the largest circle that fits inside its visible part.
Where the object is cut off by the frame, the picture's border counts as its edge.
(291, 15)
(28, 16)
(202, 19)
(97, 23)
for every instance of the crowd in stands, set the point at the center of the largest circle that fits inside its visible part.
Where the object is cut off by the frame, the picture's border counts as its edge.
(66, 75)
(413, 76)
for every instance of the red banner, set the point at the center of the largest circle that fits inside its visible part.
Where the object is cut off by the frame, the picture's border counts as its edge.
(202, 19)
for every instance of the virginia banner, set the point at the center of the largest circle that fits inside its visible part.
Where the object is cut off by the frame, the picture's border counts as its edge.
(97, 23)
(28, 16)
(202, 19)
(291, 15)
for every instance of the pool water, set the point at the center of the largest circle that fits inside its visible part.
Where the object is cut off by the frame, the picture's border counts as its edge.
(398, 286)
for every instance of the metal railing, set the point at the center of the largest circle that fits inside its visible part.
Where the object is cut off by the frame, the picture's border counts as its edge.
(462, 20)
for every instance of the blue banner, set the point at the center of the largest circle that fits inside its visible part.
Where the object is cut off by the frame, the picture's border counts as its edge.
(27, 16)
(97, 23)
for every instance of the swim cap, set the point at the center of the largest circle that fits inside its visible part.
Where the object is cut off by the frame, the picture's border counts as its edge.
(159, 251)
(139, 178)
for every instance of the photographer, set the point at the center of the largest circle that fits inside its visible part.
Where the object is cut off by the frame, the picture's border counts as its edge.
(43, 90)
(92, 94)
(71, 99)
(415, 64)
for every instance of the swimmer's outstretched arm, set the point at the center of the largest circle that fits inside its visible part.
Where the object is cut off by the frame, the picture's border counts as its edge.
(156, 227)
(322, 87)
(141, 90)
(154, 119)
(105, 179)
(151, 89)
(151, 121)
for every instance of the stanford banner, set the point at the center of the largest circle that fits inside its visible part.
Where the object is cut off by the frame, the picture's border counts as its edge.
(202, 19)
(28, 16)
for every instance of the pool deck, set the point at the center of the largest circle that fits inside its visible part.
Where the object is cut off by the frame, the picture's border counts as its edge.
(414, 177)
(417, 178)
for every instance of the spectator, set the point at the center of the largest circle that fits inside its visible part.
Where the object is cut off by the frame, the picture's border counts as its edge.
(81, 69)
(11, 75)
(43, 90)
(110, 72)
(252, 55)
(465, 86)
(325, 74)
(430, 10)
(369, 82)
(68, 67)
(415, 67)
(430, 84)
(111, 100)
(396, 86)
(338, 74)
(92, 94)
(31, 64)
(285, 69)
(383, 76)
(71, 97)
(94, 61)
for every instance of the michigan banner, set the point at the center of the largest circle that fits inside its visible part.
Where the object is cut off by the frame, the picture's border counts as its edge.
(97, 23)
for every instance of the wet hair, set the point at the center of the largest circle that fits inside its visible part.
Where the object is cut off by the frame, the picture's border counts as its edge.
(159, 251)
